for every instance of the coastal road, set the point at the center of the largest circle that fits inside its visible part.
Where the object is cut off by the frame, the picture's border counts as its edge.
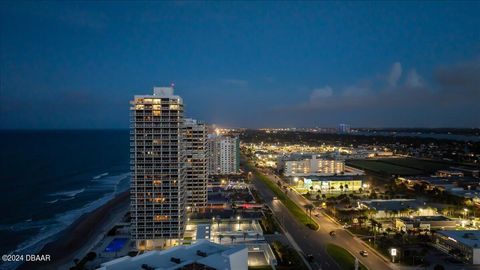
(314, 242)
(302, 236)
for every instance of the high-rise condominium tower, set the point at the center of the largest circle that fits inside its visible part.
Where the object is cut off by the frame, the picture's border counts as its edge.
(195, 137)
(224, 154)
(158, 157)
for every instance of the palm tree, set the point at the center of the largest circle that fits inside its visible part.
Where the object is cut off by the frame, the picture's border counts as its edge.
(220, 236)
(233, 237)
(309, 208)
(341, 188)
(346, 187)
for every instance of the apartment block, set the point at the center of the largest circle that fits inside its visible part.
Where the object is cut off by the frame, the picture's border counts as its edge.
(157, 154)
(195, 138)
(224, 154)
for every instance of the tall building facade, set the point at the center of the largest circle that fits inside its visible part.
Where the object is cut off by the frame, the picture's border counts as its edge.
(195, 138)
(314, 166)
(224, 154)
(343, 128)
(157, 153)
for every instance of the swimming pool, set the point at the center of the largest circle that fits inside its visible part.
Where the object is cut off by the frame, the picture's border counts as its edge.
(116, 244)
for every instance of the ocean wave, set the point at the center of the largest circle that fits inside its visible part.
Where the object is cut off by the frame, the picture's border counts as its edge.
(52, 201)
(49, 229)
(68, 193)
(100, 176)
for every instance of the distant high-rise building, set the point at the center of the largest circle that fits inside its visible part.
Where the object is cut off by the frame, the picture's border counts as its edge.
(158, 186)
(195, 138)
(343, 128)
(224, 154)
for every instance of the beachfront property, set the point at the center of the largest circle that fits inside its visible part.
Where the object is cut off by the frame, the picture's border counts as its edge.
(158, 197)
(244, 231)
(464, 245)
(224, 154)
(195, 138)
(203, 254)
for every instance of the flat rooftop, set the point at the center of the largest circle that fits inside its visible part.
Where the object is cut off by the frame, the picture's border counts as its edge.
(395, 204)
(470, 238)
(334, 177)
(203, 252)
(425, 218)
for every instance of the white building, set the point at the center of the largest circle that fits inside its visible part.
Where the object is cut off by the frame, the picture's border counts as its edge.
(224, 154)
(195, 137)
(314, 166)
(464, 245)
(157, 160)
(343, 128)
(201, 255)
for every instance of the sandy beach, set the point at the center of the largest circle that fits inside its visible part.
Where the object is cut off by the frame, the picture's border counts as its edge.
(81, 234)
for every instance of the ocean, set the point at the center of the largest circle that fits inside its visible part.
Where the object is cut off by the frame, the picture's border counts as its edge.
(48, 179)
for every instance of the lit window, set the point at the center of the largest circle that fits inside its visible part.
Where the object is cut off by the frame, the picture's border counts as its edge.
(161, 218)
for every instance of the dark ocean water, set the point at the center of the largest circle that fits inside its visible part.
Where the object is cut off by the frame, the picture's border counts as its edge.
(48, 179)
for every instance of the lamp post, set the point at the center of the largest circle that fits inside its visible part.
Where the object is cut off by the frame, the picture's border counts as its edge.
(238, 219)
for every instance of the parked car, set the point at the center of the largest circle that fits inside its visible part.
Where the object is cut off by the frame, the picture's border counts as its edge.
(309, 257)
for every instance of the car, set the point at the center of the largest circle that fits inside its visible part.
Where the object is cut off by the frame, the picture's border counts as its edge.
(317, 215)
(333, 233)
(274, 198)
(309, 257)
(364, 253)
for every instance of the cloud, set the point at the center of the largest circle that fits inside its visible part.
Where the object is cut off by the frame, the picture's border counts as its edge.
(413, 79)
(454, 91)
(460, 79)
(394, 75)
(235, 82)
(321, 93)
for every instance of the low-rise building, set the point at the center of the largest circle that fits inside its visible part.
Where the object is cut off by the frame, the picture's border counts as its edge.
(330, 183)
(424, 223)
(448, 173)
(464, 245)
(201, 255)
(399, 208)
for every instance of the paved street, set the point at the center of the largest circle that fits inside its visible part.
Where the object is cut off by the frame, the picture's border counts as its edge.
(314, 242)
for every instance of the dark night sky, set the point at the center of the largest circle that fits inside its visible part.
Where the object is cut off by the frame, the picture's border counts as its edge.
(248, 64)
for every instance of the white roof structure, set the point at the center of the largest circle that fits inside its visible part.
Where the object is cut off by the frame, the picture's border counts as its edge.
(470, 238)
(202, 252)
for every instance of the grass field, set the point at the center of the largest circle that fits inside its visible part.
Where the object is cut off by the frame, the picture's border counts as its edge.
(401, 166)
(380, 167)
(428, 166)
(343, 257)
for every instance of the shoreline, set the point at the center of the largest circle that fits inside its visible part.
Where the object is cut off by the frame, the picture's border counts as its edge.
(78, 235)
